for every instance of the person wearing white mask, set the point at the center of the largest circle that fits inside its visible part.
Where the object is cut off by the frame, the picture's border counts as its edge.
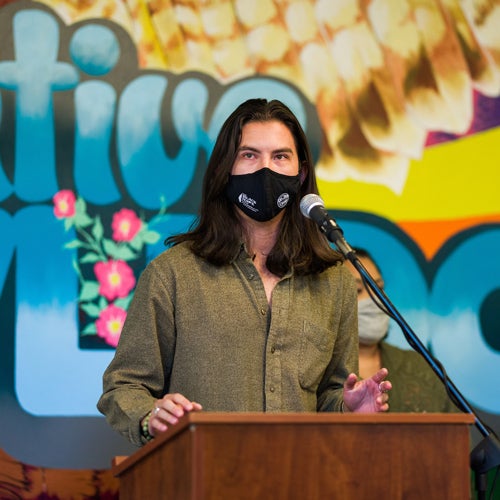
(416, 388)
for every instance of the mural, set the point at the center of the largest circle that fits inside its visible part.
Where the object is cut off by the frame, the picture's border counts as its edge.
(109, 110)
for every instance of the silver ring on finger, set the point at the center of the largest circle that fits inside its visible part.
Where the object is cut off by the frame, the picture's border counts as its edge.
(156, 410)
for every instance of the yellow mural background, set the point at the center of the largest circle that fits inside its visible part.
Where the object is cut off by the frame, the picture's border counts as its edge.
(382, 74)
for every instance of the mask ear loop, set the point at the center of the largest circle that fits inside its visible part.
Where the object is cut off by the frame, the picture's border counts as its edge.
(372, 295)
(374, 299)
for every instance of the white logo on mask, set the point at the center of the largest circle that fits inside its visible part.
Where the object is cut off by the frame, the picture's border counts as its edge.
(283, 200)
(247, 202)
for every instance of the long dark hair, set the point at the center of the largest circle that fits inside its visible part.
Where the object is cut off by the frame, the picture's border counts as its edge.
(217, 235)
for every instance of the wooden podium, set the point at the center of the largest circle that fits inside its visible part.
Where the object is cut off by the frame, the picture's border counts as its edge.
(303, 456)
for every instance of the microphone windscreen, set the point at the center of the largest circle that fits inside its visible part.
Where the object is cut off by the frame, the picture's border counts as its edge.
(308, 202)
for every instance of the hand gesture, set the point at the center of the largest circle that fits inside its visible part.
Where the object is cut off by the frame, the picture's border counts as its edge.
(369, 395)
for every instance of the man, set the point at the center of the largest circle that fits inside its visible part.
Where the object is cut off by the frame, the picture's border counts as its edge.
(249, 311)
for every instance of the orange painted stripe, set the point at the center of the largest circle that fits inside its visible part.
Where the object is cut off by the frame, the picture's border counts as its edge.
(430, 236)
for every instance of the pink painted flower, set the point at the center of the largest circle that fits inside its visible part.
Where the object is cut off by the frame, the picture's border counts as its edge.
(115, 277)
(125, 225)
(110, 323)
(64, 204)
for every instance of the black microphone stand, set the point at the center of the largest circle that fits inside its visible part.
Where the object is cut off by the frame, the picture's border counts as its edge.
(486, 455)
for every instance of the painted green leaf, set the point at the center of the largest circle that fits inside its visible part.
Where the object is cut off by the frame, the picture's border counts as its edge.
(82, 220)
(137, 243)
(91, 309)
(68, 223)
(124, 302)
(98, 230)
(125, 253)
(110, 248)
(73, 244)
(150, 237)
(89, 291)
(89, 258)
(90, 329)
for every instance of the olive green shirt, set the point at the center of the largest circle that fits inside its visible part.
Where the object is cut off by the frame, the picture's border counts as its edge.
(208, 333)
(415, 386)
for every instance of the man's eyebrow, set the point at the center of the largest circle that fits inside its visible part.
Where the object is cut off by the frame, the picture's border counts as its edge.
(283, 150)
(251, 148)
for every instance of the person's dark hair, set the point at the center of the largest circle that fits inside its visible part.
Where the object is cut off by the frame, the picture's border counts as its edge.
(365, 254)
(217, 235)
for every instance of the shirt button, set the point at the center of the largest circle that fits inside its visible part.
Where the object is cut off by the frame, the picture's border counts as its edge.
(271, 388)
(263, 311)
(273, 349)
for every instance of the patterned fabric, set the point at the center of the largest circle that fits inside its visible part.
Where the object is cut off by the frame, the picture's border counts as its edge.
(23, 481)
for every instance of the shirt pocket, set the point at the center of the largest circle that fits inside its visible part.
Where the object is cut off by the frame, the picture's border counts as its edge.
(315, 354)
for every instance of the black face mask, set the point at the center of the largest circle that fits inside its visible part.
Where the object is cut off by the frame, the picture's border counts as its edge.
(263, 194)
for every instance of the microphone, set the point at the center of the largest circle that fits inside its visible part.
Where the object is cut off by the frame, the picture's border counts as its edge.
(313, 207)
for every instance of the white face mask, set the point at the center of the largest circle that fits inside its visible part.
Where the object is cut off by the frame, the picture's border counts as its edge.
(372, 322)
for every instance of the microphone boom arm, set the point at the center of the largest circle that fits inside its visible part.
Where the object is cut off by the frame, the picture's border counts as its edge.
(413, 340)
(486, 455)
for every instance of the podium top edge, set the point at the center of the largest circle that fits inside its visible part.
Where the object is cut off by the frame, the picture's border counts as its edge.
(205, 418)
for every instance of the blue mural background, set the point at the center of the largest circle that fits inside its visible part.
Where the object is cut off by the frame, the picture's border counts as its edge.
(78, 114)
